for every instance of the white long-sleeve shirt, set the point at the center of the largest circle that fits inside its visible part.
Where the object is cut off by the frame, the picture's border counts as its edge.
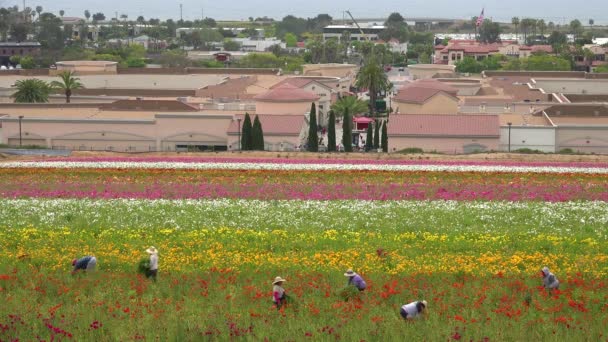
(411, 310)
(154, 261)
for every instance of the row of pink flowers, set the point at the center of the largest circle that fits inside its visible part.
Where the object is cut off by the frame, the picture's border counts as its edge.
(360, 191)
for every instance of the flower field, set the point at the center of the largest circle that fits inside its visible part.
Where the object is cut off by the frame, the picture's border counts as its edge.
(470, 238)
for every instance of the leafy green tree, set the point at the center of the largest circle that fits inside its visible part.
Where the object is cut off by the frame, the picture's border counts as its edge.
(369, 139)
(61, 13)
(377, 134)
(331, 132)
(372, 77)
(385, 137)
(134, 62)
(19, 31)
(291, 24)
(68, 84)
(515, 22)
(99, 16)
(558, 41)
(231, 45)
(347, 132)
(396, 27)
(489, 32)
(541, 62)
(602, 68)
(87, 14)
(576, 28)
(27, 62)
(257, 135)
(31, 91)
(313, 138)
(290, 39)
(468, 64)
(174, 58)
(247, 134)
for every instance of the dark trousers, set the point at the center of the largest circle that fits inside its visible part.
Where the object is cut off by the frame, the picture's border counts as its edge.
(152, 274)
(403, 313)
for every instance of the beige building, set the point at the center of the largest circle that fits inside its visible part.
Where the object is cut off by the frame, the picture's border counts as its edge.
(326, 94)
(86, 67)
(444, 133)
(285, 99)
(330, 69)
(426, 97)
(424, 71)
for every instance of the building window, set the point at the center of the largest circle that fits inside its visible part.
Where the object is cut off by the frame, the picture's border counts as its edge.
(445, 58)
(453, 57)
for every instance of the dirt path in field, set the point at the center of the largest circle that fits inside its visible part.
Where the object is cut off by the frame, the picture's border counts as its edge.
(329, 156)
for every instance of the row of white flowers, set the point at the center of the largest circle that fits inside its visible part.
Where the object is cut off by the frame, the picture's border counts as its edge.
(303, 167)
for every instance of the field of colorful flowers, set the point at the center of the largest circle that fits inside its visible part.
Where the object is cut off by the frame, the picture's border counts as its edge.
(470, 238)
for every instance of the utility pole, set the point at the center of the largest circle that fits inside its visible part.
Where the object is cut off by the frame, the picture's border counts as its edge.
(181, 12)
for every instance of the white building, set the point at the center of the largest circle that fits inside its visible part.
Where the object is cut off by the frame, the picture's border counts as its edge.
(370, 31)
(258, 45)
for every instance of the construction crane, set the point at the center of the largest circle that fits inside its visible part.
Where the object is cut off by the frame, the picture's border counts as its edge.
(357, 24)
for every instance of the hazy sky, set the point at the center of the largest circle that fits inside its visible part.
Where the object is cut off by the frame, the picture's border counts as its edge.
(558, 11)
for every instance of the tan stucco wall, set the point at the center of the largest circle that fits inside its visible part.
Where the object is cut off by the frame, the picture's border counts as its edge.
(587, 140)
(423, 71)
(438, 104)
(275, 143)
(295, 108)
(331, 70)
(438, 144)
(110, 69)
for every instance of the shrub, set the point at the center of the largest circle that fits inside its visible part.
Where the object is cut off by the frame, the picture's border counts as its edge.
(528, 151)
(411, 150)
(134, 62)
(566, 151)
(143, 266)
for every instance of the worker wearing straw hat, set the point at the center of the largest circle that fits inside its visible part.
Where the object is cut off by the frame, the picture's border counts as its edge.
(278, 292)
(413, 309)
(355, 280)
(153, 271)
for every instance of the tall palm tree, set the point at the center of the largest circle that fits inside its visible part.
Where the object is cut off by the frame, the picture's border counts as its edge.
(515, 22)
(372, 77)
(350, 103)
(68, 84)
(31, 91)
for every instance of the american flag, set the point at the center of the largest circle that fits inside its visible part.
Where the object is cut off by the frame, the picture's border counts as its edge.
(480, 18)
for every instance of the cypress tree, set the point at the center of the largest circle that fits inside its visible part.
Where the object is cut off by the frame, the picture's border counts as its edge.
(246, 134)
(377, 134)
(257, 135)
(369, 139)
(313, 138)
(347, 132)
(385, 137)
(331, 132)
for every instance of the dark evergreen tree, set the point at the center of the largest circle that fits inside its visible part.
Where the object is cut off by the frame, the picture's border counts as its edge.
(331, 132)
(385, 137)
(257, 135)
(313, 138)
(347, 132)
(246, 134)
(377, 134)
(369, 139)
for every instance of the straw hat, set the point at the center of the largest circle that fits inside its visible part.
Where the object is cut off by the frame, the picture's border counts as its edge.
(152, 250)
(350, 273)
(424, 303)
(278, 280)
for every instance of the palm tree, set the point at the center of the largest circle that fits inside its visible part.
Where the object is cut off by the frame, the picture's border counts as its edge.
(372, 77)
(68, 84)
(31, 91)
(515, 22)
(61, 13)
(38, 10)
(350, 103)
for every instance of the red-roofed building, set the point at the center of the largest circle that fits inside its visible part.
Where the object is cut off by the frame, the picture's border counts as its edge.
(426, 97)
(285, 99)
(445, 133)
(458, 49)
(281, 132)
(313, 85)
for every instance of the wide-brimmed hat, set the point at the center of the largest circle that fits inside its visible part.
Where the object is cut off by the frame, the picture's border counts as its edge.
(278, 280)
(350, 273)
(152, 250)
(424, 303)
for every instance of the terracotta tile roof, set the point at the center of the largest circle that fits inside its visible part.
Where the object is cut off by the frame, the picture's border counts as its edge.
(287, 93)
(418, 95)
(272, 124)
(542, 48)
(444, 125)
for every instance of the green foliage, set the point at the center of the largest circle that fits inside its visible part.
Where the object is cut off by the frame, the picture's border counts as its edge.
(558, 40)
(384, 144)
(377, 134)
(539, 63)
(49, 32)
(143, 266)
(212, 63)
(566, 151)
(174, 59)
(269, 60)
(247, 134)
(231, 45)
(16, 59)
(369, 139)
(257, 135)
(32, 91)
(331, 132)
(351, 103)
(68, 84)
(27, 62)
(77, 53)
(347, 131)
(372, 77)
(396, 27)
(107, 57)
(313, 138)
(349, 292)
(489, 32)
(468, 64)
(291, 40)
(134, 62)
(602, 68)
(410, 150)
(528, 151)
